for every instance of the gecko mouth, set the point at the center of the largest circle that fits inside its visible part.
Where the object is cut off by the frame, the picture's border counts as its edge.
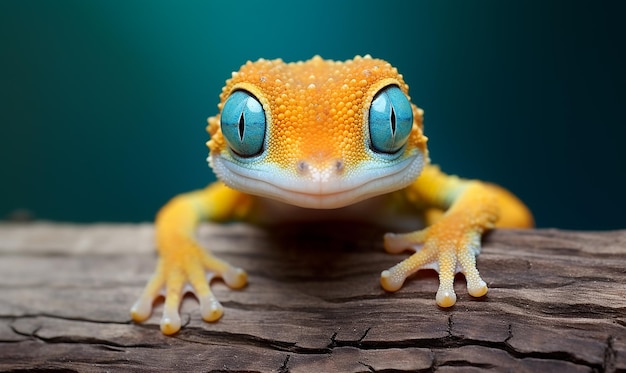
(371, 180)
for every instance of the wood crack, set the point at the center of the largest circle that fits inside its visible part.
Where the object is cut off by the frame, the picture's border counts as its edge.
(608, 365)
(65, 318)
(284, 367)
(83, 340)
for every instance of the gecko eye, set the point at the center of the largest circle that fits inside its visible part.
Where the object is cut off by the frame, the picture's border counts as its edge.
(243, 123)
(390, 120)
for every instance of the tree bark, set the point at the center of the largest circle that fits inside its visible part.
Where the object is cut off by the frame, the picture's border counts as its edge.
(557, 302)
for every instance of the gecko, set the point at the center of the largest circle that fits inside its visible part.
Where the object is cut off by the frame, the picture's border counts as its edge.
(324, 139)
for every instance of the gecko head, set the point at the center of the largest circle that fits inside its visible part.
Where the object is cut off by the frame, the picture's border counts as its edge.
(317, 134)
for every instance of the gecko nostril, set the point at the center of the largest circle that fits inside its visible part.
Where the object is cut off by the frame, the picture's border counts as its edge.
(302, 167)
(332, 167)
(339, 165)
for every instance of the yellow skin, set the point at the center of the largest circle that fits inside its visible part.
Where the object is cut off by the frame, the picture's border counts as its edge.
(317, 161)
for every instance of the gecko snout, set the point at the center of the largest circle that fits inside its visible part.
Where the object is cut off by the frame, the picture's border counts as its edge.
(320, 171)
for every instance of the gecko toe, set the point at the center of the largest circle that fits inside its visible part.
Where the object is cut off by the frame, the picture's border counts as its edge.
(210, 308)
(445, 298)
(391, 280)
(235, 278)
(170, 322)
(141, 310)
(477, 288)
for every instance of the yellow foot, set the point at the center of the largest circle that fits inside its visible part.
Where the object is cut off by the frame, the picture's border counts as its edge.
(442, 247)
(191, 270)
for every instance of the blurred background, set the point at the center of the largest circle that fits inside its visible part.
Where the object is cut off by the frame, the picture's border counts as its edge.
(104, 103)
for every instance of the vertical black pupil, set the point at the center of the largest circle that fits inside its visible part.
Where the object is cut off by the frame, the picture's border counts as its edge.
(242, 126)
(393, 121)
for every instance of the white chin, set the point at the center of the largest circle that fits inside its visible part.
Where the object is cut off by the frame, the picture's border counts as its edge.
(320, 201)
(370, 181)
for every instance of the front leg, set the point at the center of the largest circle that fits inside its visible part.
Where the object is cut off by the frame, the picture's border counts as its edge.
(183, 265)
(450, 245)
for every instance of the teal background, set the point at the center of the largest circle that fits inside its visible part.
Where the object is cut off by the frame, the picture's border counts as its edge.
(104, 103)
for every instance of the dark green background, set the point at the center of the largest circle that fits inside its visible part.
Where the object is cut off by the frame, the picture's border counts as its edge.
(104, 103)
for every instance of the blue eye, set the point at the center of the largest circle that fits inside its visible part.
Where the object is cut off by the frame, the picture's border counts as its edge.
(390, 120)
(243, 123)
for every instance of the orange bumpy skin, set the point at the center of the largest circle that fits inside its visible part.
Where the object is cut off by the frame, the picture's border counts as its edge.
(323, 134)
(316, 108)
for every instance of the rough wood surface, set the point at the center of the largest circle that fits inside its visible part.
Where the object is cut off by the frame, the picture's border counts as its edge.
(557, 302)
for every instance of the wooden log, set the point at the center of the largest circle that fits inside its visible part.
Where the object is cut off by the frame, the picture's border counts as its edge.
(557, 302)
